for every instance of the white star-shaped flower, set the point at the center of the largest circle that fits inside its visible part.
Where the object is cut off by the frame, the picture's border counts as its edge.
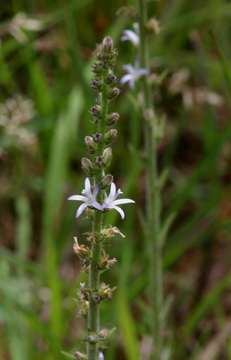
(111, 201)
(133, 73)
(88, 198)
(132, 35)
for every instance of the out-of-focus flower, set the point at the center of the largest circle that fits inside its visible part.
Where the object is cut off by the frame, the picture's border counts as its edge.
(132, 75)
(16, 110)
(88, 198)
(22, 23)
(179, 83)
(132, 35)
(153, 25)
(15, 113)
(101, 355)
(111, 201)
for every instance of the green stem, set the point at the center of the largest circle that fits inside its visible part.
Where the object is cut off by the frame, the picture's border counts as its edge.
(97, 225)
(153, 196)
(93, 284)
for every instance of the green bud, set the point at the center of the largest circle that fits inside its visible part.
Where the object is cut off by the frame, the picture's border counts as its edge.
(107, 156)
(99, 161)
(96, 111)
(96, 85)
(110, 135)
(113, 118)
(113, 93)
(107, 44)
(97, 137)
(107, 180)
(111, 79)
(86, 164)
(90, 143)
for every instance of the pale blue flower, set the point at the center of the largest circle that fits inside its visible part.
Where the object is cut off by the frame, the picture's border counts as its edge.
(132, 36)
(101, 355)
(133, 73)
(88, 198)
(111, 201)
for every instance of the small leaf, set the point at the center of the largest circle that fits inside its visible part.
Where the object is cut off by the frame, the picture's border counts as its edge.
(166, 226)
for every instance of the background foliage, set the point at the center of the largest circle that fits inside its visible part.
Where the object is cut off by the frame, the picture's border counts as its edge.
(44, 115)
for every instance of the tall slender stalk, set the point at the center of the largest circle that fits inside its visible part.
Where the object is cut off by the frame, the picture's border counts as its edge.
(97, 226)
(94, 258)
(153, 196)
(93, 321)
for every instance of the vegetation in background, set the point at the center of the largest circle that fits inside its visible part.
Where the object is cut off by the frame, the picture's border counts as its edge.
(45, 59)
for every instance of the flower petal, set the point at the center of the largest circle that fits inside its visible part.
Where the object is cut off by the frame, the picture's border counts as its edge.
(126, 79)
(120, 211)
(141, 72)
(81, 209)
(77, 198)
(123, 201)
(96, 205)
(95, 191)
(129, 35)
(87, 186)
(112, 191)
(128, 68)
(119, 192)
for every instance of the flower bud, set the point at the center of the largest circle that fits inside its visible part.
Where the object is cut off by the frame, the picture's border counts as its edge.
(96, 298)
(107, 180)
(107, 156)
(86, 164)
(96, 111)
(111, 79)
(95, 85)
(113, 93)
(113, 118)
(97, 137)
(110, 135)
(89, 141)
(99, 161)
(107, 44)
(97, 68)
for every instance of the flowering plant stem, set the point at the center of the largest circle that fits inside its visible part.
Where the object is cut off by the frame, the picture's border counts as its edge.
(94, 258)
(97, 226)
(153, 196)
(93, 283)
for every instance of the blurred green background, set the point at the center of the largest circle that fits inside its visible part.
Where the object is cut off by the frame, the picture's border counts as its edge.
(46, 50)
